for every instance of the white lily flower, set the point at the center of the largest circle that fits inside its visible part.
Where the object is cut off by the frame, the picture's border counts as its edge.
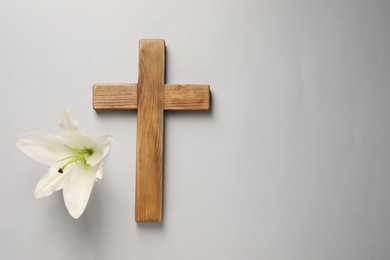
(75, 161)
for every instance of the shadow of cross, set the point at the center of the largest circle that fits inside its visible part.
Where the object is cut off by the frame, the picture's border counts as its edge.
(151, 96)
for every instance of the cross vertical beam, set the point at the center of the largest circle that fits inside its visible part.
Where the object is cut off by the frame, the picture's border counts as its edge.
(150, 126)
(151, 96)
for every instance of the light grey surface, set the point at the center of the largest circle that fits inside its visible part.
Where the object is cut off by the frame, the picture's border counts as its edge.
(291, 163)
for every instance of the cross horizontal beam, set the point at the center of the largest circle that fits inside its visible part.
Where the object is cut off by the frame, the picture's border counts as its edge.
(176, 97)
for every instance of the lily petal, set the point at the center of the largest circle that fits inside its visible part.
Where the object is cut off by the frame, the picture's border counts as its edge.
(101, 148)
(78, 140)
(68, 122)
(99, 173)
(42, 147)
(78, 187)
(50, 182)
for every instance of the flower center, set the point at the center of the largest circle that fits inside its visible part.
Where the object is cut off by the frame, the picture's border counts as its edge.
(77, 155)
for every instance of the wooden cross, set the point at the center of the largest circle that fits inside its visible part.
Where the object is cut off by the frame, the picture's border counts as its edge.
(151, 96)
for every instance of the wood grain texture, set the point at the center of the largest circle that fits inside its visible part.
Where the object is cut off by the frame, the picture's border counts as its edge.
(150, 126)
(151, 96)
(115, 96)
(186, 97)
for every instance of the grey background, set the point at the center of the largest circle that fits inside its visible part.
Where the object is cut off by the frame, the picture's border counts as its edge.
(291, 163)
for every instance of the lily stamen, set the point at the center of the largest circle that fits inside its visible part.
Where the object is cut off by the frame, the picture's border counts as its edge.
(78, 155)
